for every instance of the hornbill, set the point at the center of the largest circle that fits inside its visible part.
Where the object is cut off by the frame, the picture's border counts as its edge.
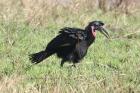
(71, 44)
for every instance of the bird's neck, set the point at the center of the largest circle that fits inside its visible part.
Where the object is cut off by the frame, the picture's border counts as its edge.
(90, 37)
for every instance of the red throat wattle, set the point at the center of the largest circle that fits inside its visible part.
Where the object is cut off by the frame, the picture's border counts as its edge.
(93, 31)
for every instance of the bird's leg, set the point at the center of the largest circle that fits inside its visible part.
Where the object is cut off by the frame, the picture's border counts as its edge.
(74, 65)
(62, 62)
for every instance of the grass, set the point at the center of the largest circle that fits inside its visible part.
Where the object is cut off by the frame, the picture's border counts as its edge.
(111, 66)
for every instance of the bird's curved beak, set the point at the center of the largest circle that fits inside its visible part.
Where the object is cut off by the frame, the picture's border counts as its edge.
(104, 32)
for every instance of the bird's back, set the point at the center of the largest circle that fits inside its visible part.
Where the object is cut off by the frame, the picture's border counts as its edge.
(66, 44)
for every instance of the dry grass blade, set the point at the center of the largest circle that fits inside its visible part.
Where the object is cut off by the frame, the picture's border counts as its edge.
(126, 35)
(10, 84)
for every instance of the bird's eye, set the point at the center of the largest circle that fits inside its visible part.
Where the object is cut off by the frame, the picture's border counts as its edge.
(102, 24)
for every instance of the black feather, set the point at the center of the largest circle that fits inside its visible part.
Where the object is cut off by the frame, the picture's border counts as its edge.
(74, 33)
(70, 45)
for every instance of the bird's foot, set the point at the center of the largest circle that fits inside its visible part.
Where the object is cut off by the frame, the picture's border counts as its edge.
(74, 65)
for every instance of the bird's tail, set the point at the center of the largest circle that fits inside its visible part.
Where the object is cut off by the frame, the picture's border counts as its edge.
(38, 57)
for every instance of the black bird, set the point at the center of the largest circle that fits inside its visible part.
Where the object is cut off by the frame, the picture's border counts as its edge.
(71, 44)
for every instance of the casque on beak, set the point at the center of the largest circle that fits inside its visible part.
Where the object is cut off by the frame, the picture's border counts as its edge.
(104, 32)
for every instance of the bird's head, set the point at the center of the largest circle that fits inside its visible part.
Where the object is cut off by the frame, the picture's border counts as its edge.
(97, 25)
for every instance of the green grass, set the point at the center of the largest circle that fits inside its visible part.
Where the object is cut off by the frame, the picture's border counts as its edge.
(111, 66)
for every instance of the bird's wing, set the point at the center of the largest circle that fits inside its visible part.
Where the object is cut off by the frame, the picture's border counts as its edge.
(75, 33)
(67, 37)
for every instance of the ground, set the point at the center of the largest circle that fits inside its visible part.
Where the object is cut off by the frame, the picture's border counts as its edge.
(111, 65)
